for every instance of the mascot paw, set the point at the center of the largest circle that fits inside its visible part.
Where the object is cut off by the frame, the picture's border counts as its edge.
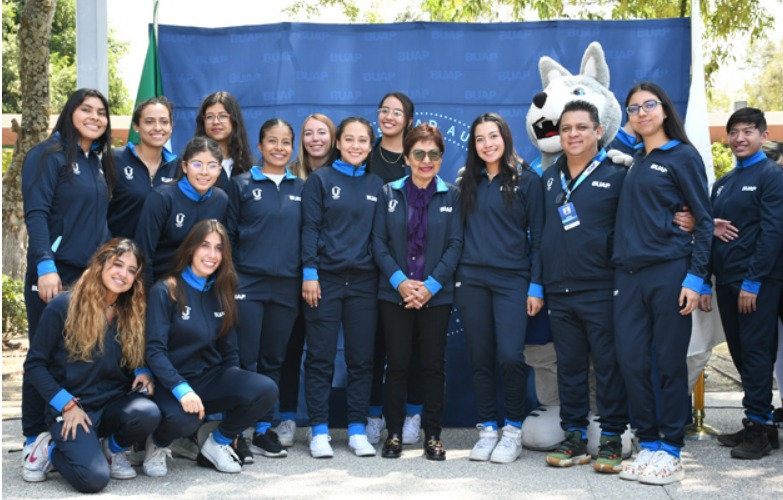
(460, 173)
(619, 158)
(594, 437)
(541, 429)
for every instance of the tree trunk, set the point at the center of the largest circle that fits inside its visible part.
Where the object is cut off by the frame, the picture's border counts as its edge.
(34, 34)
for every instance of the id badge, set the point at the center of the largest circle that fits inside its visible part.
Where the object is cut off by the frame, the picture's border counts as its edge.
(568, 216)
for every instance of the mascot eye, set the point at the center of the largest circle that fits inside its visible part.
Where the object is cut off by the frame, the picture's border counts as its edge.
(578, 91)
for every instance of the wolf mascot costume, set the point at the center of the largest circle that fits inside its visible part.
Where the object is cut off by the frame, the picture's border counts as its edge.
(541, 429)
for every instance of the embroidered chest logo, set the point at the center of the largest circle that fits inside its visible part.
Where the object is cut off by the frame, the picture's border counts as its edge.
(749, 188)
(392, 205)
(179, 219)
(373, 199)
(445, 209)
(549, 183)
(659, 168)
(294, 198)
(239, 296)
(503, 188)
(257, 194)
(128, 172)
(75, 167)
(166, 179)
(719, 191)
(219, 314)
(336, 192)
(600, 184)
(186, 314)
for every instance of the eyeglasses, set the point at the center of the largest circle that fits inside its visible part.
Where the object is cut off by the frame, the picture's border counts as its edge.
(419, 154)
(648, 106)
(394, 112)
(221, 118)
(211, 166)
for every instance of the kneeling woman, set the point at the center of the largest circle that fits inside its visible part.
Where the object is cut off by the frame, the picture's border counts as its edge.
(192, 349)
(417, 243)
(87, 348)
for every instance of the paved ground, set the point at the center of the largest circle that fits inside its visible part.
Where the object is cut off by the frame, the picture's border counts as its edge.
(709, 470)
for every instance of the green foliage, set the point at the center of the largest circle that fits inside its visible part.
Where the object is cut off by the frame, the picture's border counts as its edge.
(14, 311)
(765, 91)
(8, 154)
(62, 65)
(722, 159)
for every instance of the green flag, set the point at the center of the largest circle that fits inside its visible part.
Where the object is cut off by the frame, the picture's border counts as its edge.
(150, 84)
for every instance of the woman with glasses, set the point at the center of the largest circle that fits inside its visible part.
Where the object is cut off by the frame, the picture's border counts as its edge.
(387, 161)
(265, 219)
(500, 275)
(220, 119)
(417, 242)
(171, 210)
(142, 167)
(659, 275)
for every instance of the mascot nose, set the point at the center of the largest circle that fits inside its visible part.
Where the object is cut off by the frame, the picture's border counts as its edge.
(540, 99)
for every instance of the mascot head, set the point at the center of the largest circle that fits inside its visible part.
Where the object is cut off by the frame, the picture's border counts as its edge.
(560, 86)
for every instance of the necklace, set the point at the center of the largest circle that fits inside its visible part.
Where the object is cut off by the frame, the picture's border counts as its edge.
(380, 150)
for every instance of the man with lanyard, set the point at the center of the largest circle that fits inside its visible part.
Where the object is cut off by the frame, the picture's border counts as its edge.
(581, 193)
(747, 204)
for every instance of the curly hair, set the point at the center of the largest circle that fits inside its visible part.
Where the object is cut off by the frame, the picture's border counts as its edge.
(225, 285)
(85, 325)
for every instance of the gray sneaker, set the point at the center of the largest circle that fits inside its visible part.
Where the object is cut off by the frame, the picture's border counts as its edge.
(36, 459)
(118, 462)
(155, 459)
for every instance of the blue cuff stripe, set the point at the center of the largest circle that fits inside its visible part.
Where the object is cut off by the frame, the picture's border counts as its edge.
(432, 285)
(751, 286)
(181, 390)
(693, 282)
(142, 371)
(397, 278)
(61, 399)
(535, 290)
(706, 289)
(309, 274)
(46, 267)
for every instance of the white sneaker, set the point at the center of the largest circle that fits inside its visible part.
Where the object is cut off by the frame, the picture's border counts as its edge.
(663, 469)
(185, 448)
(220, 456)
(361, 445)
(118, 462)
(155, 459)
(374, 427)
(36, 459)
(510, 446)
(286, 432)
(136, 455)
(320, 447)
(411, 429)
(482, 450)
(632, 471)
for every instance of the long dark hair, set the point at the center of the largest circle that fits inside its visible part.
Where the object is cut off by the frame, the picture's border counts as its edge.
(336, 153)
(136, 117)
(672, 124)
(474, 164)
(407, 107)
(225, 285)
(271, 123)
(69, 137)
(238, 147)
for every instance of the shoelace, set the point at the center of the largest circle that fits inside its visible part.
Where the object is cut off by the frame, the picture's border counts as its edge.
(160, 454)
(120, 459)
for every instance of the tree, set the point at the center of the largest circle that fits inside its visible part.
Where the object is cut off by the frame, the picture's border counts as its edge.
(724, 20)
(62, 66)
(35, 25)
(765, 91)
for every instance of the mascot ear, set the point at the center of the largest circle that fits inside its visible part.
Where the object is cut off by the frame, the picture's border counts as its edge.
(594, 64)
(550, 70)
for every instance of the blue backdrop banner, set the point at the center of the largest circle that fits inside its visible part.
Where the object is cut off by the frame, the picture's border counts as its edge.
(453, 72)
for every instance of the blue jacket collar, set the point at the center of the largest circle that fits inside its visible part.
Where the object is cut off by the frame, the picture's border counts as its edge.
(190, 191)
(197, 282)
(752, 160)
(348, 169)
(167, 155)
(626, 138)
(440, 186)
(669, 145)
(258, 175)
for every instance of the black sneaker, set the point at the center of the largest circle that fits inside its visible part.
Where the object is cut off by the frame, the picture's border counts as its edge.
(755, 443)
(735, 438)
(242, 450)
(268, 445)
(777, 417)
(610, 455)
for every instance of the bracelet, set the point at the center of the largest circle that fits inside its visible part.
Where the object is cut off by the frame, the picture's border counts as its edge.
(68, 407)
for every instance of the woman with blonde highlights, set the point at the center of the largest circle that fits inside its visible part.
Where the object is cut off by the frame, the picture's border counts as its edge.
(86, 361)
